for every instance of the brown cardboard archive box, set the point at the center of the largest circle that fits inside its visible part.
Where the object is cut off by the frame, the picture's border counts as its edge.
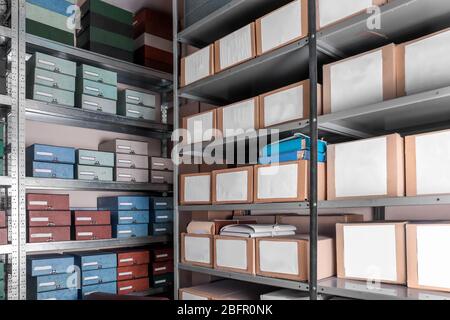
(370, 168)
(428, 163)
(372, 251)
(232, 186)
(234, 254)
(208, 227)
(195, 188)
(197, 66)
(224, 290)
(197, 249)
(286, 182)
(361, 80)
(238, 118)
(204, 123)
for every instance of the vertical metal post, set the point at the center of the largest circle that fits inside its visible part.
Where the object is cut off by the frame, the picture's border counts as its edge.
(175, 126)
(313, 161)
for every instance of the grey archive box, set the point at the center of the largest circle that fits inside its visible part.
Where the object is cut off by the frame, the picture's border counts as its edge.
(95, 158)
(125, 146)
(92, 103)
(138, 112)
(94, 173)
(132, 175)
(139, 98)
(131, 161)
(165, 177)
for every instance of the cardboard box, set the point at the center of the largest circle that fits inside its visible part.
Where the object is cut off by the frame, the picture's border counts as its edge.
(197, 66)
(371, 168)
(234, 254)
(371, 251)
(204, 123)
(160, 268)
(3, 223)
(428, 259)
(195, 188)
(131, 175)
(288, 257)
(282, 26)
(330, 12)
(131, 161)
(224, 290)
(287, 104)
(326, 222)
(132, 272)
(88, 218)
(235, 48)
(48, 234)
(125, 146)
(361, 80)
(3, 236)
(286, 182)
(161, 163)
(133, 257)
(239, 118)
(197, 249)
(36, 201)
(423, 63)
(92, 232)
(162, 254)
(49, 218)
(427, 161)
(232, 186)
(130, 286)
(208, 227)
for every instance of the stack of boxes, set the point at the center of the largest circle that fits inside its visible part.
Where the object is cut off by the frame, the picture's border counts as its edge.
(139, 105)
(161, 216)
(161, 170)
(52, 277)
(48, 217)
(3, 229)
(92, 225)
(2, 149)
(49, 19)
(94, 165)
(106, 29)
(153, 40)
(132, 271)
(44, 161)
(162, 267)
(2, 281)
(130, 215)
(98, 272)
(51, 79)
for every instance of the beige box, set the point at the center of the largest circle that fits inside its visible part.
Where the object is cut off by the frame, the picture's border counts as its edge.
(239, 118)
(208, 227)
(125, 146)
(428, 256)
(288, 257)
(290, 103)
(282, 26)
(286, 182)
(197, 66)
(224, 290)
(371, 168)
(361, 80)
(428, 163)
(326, 222)
(234, 254)
(372, 251)
(330, 12)
(232, 186)
(423, 64)
(235, 48)
(197, 249)
(200, 127)
(132, 175)
(195, 188)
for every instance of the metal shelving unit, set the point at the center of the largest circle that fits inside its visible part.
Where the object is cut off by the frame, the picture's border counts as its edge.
(407, 115)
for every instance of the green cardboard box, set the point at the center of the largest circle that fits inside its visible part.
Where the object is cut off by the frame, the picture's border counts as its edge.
(2, 271)
(97, 74)
(47, 17)
(50, 79)
(91, 103)
(53, 64)
(51, 95)
(48, 32)
(96, 89)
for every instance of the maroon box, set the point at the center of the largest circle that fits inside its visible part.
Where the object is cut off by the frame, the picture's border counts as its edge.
(89, 218)
(154, 58)
(162, 164)
(164, 254)
(131, 258)
(159, 268)
(132, 272)
(49, 218)
(161, 177)
(37, 201)
(154, 22)
(3, 236)
(92, 233)
(130, 286)
(3, 219)
(48, 234)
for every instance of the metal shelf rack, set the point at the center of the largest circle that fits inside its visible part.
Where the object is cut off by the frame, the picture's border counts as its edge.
(407, 115)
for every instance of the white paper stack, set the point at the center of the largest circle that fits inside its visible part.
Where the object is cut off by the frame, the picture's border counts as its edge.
(258, 230)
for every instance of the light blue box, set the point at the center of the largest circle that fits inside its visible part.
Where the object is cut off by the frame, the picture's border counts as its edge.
(59, 6)
(54, 154)
(130, 217)
(50, 170)
(95, 261)
(51, 282)
(60, 295)
(93, 277)
(95, 158)
(130, 230)
(291, 156)
(110, 287)
(49, 264)
(93, 173)
(296, 143)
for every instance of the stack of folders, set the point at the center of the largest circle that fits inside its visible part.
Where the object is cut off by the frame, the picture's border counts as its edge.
(257, 230)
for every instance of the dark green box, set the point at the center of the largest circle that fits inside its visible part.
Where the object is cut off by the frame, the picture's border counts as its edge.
(44, 31)
(108, 10)
(2, 149)
(106, 50)
(93, 34)
(2, 271)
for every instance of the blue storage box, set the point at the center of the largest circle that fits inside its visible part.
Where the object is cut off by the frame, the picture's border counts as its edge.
(161, 229)
(54, 154)
(65, 294)
(110, 287)
(291, 156)
(123, 203)
(58, 6)
(95, 261)
(130, 230)
(49, 264)
(161, 216)
(51, 282)
(296, 143)
(130, 217)
(161, 203)
(50, 170)
(92, 277)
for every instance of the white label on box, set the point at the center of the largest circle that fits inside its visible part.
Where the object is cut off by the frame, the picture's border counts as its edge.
(160, 281)
(90, 264)
(88, 158)
(283, 106)
(46, 154)
(133, 111)
(124, 232)
(126, 288)
(239, 118)
(231, 254)
(162, 217)
(91, 278)
(432, 160)
(137, 99)
(125, 203)
(160, 269)
(232, 186)
(433, 258)
(160, 229)
(190, 296)
(200, 128)
(162, 256)
(279, 257)
(357, 82)
(126, 218)
(84, 219)
(41, 235)
(39, 219)
(43, 170)
(361, 168)
(48, 63)
(236, 47)
(85, 234)
(331, 11)
(47, 284)
(197, 188)
(45, 78)
(125, 161)
(427, 63)
(197, 249)
(281, 26)
(43, 268)
(126, 260)
(86, 173)
(121, 274)
(161, 204)
(278, 182)
(38, 203)
(197, 65)
(124, 147)
(89, 73)
(370, 252)
(92, 89)
(44, 94)
(89, 103)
